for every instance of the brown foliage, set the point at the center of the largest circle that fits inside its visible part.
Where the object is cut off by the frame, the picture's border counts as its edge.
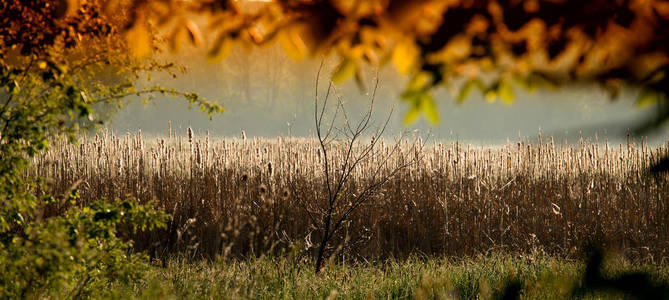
(33, 27)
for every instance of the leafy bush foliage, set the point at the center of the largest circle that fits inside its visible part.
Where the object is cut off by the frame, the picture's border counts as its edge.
(56, 64)
(75, 254)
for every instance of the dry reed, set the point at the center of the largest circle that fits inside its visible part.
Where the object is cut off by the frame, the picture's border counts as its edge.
(245, 196)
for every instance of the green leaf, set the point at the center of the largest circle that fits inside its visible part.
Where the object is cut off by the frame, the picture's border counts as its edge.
(127, 205)
(420, 82)
(412, 115)
(429, 107)
(421, 101)
(526, 83)
(647, 97)
(43, 144)
(467, 88)
(410, 96)
(13, 87)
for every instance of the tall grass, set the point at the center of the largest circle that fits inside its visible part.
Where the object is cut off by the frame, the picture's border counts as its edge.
(246, 196)
(265, 278)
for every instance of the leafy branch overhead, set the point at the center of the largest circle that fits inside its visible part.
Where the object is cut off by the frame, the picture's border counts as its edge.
(491, 45)
(77, 47)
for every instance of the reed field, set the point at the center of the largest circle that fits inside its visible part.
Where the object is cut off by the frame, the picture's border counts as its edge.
(245, 197)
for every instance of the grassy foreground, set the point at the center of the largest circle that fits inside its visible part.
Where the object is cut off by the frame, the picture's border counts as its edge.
(483, 277)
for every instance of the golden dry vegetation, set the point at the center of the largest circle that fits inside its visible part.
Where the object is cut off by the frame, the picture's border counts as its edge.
(249, 196)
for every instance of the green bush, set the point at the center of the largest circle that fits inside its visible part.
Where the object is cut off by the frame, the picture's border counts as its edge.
(54, 68)
(73, 255)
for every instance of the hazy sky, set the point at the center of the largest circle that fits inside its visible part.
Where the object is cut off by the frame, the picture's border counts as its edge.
(267, 94)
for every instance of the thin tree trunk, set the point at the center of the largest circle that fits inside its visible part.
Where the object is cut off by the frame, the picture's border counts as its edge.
(324, 242)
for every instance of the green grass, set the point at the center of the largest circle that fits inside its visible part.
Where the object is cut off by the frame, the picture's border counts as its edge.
(484, 277)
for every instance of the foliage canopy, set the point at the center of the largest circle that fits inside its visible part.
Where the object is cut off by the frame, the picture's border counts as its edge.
(490, 45)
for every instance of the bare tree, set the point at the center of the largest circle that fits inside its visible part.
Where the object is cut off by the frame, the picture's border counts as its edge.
(357, 142)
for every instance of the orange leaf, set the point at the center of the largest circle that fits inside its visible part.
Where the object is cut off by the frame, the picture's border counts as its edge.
(139, 38)
(193, 32)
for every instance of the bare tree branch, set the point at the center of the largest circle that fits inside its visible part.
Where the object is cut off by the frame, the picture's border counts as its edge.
(339, 168)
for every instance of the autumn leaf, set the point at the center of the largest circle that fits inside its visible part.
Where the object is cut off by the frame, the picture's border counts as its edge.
(178, 34)
(138, 38)
(193, 32)
(420, 81)
(421, 101)
(221, 49)
(467, 88)
(491, 96)
(292, 43)
(647, 97)
(505, 91)
(526, 84)
(405, 56)
(359, 80)
(412, 115)
(347, 68)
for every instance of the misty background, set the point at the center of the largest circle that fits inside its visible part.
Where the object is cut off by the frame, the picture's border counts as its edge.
(267, 94)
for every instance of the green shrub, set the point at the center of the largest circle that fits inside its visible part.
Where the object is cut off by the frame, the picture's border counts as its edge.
(73, 255)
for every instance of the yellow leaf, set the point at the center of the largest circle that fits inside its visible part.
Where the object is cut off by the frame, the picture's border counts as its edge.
(345, 70)
(221, 49)
(458, 48)
(139, 39)
(405, 56)
(41, 64)
(356, 51)
(420, 81)
(176, 37)
(506, 93)
(293, 44)
(491, 96)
